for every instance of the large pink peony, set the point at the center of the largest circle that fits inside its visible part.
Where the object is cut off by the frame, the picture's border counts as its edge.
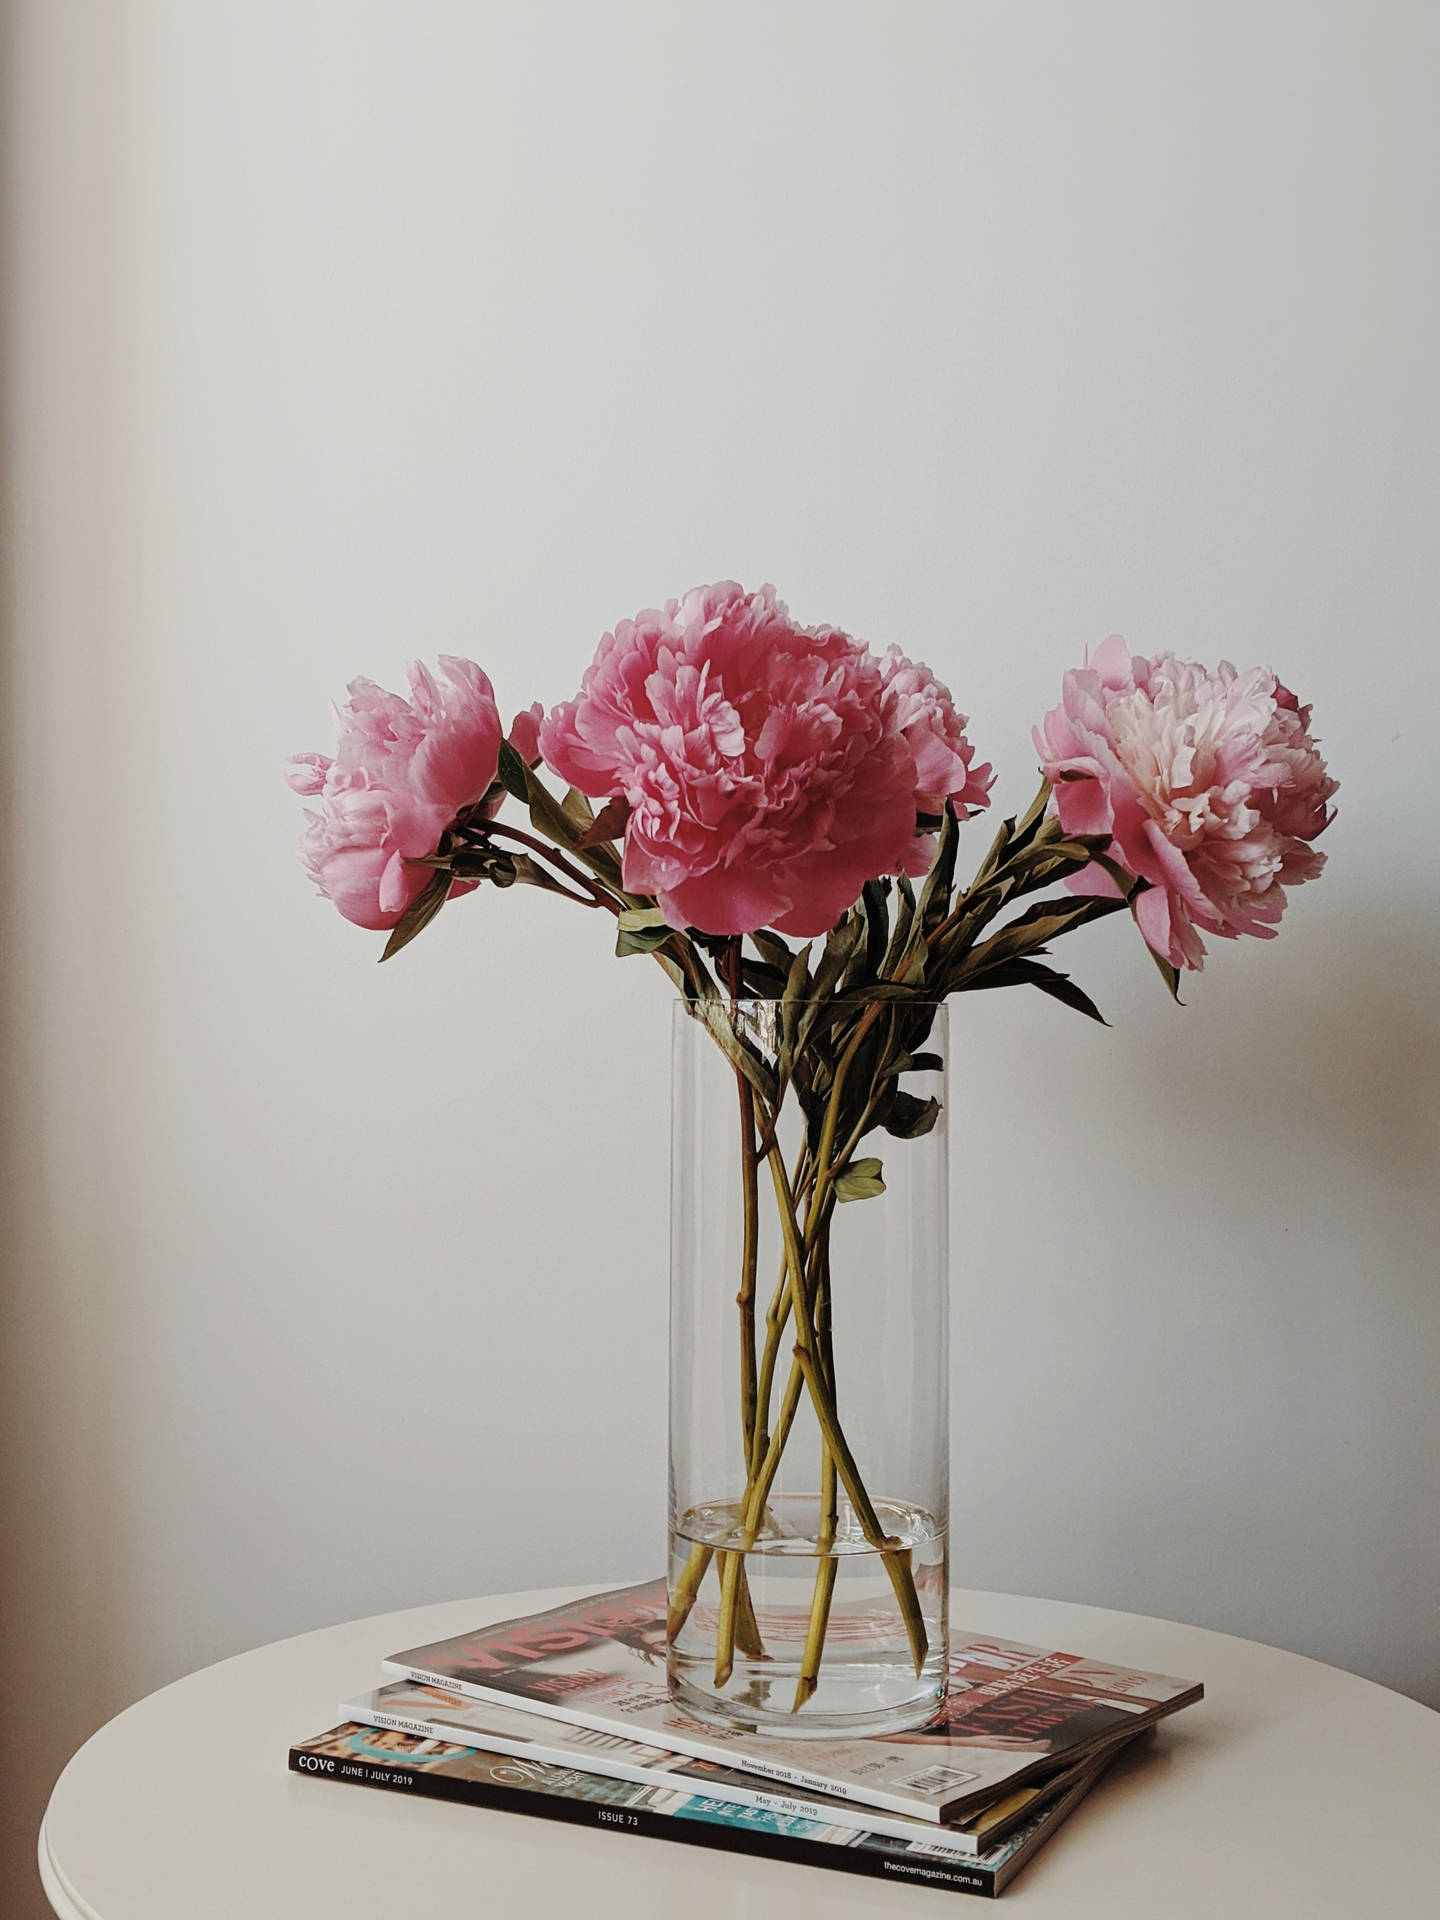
(768, 767)
(1209, 782)
(402, 771)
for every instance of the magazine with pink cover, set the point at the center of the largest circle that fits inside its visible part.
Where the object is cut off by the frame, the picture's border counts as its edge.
(1014, 1712)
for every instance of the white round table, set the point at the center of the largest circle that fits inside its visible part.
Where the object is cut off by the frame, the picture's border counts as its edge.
(1291, 1790)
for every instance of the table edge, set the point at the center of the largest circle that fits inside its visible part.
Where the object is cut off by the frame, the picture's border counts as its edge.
(65, 1902)
(68, 1904)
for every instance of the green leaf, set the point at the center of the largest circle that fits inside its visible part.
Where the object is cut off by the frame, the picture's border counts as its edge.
(715, 1014)
(1061, 987)
(418, 915)
(797, 979)
(793, 995)
(577, 808)
(772, 948)
(909, 964)
(876, 896)
(1130, 885)
(764, 982)
(1030, 931)
(673, 968)
(1048, 859)
(1030, 973)
(514, 774)
(608, 824)
(1052, 917)
(628, 943)
(940, 881)
(640, 930)
(1034, 817)
(860, 1181)
(908, 1118)
(839, 947)
(904, 917)
(1170, 975)
(549, 817)
(877, 990)
(839, 950)
(1004, 835)
(925, 1063)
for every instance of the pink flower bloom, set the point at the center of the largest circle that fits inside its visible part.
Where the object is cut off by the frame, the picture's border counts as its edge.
(524, 734)
(924, 711)
(1209, 783)
(767, 771)
(403, 769)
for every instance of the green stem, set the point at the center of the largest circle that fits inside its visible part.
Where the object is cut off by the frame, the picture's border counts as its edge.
(747, 1628)
(750, 1198)
(744, 1631)
(812, 1371)
(766, 1447)
(745, 1299)
(826, 1568)
(775, 1321)
(809, 1676)
(599, 896)
(897, 1559)
(832, 1110)
(762, 1475)
(991, 868)
(682, 1594)
(753, 1512)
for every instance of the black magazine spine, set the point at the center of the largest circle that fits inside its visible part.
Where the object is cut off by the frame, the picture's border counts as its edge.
(958, 1876)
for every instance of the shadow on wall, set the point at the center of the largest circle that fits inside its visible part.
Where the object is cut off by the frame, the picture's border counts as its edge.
(62, 1615)
(1336, 1049)
(1269, 1464)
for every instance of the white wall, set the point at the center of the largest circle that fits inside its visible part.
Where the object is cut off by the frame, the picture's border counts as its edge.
(345, 331)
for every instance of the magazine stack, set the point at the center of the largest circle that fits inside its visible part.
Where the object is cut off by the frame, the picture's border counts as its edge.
(566, 1714)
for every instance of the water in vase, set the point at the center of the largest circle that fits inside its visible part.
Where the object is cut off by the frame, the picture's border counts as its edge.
(867, 1680)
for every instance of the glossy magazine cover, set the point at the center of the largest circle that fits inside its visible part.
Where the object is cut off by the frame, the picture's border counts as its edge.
(438, 1769)
(1014, 1712)
(435, 1713)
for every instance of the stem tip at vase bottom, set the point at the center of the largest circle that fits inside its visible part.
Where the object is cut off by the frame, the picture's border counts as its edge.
(867, 1682)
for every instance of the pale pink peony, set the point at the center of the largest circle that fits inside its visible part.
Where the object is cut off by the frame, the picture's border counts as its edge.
(766, 765)
(1209, 782)
(402, 771)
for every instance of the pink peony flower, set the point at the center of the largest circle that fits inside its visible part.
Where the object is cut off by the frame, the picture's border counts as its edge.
(770, 769)
(402, 771)
(1209, 783)
(524, 734)
(924, 711)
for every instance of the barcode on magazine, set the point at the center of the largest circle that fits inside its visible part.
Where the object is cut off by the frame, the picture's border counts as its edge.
(937, 1780)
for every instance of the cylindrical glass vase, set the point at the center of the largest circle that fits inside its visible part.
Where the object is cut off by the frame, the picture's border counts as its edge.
(809, 1416)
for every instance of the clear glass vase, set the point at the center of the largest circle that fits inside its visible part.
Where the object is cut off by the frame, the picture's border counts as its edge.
(809, 1416)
